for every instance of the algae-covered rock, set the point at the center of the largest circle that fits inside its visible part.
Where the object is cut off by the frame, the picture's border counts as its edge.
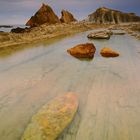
(52, 119)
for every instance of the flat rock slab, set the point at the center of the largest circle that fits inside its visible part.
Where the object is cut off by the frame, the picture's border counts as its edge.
(83, 50)
(100, 35)
(52, 118)
(108, 52)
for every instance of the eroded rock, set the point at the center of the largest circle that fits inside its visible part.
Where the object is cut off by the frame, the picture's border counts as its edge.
(83, 50)
(100, 35)
(108, 52)
(44, 15)
(67, 17)
(106, 15)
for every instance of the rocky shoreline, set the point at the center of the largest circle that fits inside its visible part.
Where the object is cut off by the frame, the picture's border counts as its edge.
(45, 32)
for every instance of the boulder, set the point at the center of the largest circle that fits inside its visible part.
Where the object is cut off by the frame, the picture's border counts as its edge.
(100, 35)
(108, 52)
(106, 15)
(83, 50)
(67, 17)
(44, 15)
(52, 118)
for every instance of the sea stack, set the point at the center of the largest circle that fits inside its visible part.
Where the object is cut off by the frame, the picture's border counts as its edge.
(44, 15)
(106, 15)
(67, 17)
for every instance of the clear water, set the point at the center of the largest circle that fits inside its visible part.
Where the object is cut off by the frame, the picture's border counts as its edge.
(108, 88)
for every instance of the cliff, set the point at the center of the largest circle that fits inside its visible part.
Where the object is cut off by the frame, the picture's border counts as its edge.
(106, 15)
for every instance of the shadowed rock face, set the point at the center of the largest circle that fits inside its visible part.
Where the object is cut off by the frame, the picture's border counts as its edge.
(44, 15)
(67, 17)
(106, 15)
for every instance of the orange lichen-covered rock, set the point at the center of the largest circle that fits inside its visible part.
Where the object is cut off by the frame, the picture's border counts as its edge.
(52, 119)
(108, 52)
(83, 50)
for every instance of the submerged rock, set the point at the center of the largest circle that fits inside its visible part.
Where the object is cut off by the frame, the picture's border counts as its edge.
(83, 50)
(108, 52)
(100, 35)
(67, 17)
(44, 15)
(52, 119)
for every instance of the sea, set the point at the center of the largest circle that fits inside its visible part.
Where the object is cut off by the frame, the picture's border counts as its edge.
(7, 28)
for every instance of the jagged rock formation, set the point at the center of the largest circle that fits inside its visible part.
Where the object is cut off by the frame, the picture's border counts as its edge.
(67, 17)
(44, 15)
(106, 15)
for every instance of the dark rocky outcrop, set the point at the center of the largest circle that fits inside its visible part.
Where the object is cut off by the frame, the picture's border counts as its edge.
(67, 17)
(83, 51)
(108, 52)
(20, 30)
(106, 15)
(44, 15)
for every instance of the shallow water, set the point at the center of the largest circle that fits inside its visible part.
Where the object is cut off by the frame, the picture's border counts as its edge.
(108, 88)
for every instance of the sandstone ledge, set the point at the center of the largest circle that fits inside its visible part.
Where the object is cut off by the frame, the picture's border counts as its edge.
(45, 32)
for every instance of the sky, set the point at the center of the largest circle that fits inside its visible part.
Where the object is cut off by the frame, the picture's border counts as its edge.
(19, 11)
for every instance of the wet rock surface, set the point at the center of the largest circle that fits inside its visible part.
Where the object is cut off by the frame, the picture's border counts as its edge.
(108, 52)
(52, 119)
(100, 35)
(83, 50)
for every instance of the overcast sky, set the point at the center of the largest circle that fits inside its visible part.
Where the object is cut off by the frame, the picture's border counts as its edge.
(19, 11)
